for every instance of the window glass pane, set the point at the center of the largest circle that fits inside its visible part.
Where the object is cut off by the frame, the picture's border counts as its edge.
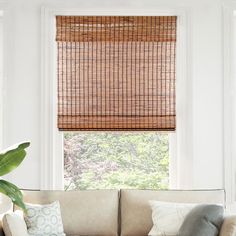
(113, 160)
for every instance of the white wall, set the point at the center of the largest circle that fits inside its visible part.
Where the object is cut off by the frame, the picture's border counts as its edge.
(1, 75)
(207, 71)
(22, 100)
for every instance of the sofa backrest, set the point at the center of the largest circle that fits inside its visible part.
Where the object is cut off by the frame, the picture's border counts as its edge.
(97, 212)
(90, 212)
(136, 212)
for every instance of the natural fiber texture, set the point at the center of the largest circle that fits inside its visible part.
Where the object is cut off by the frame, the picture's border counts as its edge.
(116, 72)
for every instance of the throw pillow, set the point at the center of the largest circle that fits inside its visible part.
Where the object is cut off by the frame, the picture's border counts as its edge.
(44, 220)
(168, 217)
(14, 225)
(203, 220)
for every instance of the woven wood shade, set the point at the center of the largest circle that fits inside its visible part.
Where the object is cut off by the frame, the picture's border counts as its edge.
(116, 72)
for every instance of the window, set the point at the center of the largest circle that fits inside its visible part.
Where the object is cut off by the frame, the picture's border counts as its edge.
(116, 160)
(116, 74)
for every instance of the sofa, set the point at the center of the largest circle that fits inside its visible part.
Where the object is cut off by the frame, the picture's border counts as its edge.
(118, 212)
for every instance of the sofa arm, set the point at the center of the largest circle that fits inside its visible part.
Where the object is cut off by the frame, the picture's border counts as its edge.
(228, 227)
(1, 229)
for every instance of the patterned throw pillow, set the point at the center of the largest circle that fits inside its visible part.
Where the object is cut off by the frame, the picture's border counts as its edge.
(168, 217)
(44, 220)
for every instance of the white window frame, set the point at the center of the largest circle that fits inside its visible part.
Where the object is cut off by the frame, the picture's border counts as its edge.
(52, 158)
(2, 71)
(229, 116)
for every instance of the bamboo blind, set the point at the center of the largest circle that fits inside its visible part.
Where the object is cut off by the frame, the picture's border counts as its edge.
(116, 72)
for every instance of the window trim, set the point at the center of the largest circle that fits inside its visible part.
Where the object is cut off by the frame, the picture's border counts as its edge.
(229, 104)
(51, 164)
(2, 71)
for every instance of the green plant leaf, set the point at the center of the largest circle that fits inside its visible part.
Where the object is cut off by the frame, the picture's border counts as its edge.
(12, 157)
(24, 145)
(12, 192)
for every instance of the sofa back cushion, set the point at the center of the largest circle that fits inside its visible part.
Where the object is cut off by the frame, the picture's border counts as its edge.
(91, 212)
(136, 215)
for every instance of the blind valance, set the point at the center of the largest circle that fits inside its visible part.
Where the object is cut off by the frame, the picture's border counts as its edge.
(116, 72)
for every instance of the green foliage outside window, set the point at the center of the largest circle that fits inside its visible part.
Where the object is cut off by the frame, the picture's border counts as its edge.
(107, 160)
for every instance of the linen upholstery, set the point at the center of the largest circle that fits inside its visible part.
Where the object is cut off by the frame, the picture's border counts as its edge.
(91, 212)
(228, 227)
(1, 229)
(106, 202)
(136, 212)
(14, 224)
(6, 206)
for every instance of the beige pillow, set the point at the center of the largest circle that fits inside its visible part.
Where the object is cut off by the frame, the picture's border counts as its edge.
(14, 224)
(228, 227)
(168, 217)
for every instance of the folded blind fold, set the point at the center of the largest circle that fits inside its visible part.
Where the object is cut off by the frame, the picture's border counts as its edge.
(116, 72)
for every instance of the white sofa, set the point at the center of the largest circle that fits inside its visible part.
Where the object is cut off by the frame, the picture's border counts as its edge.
(114, 212)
